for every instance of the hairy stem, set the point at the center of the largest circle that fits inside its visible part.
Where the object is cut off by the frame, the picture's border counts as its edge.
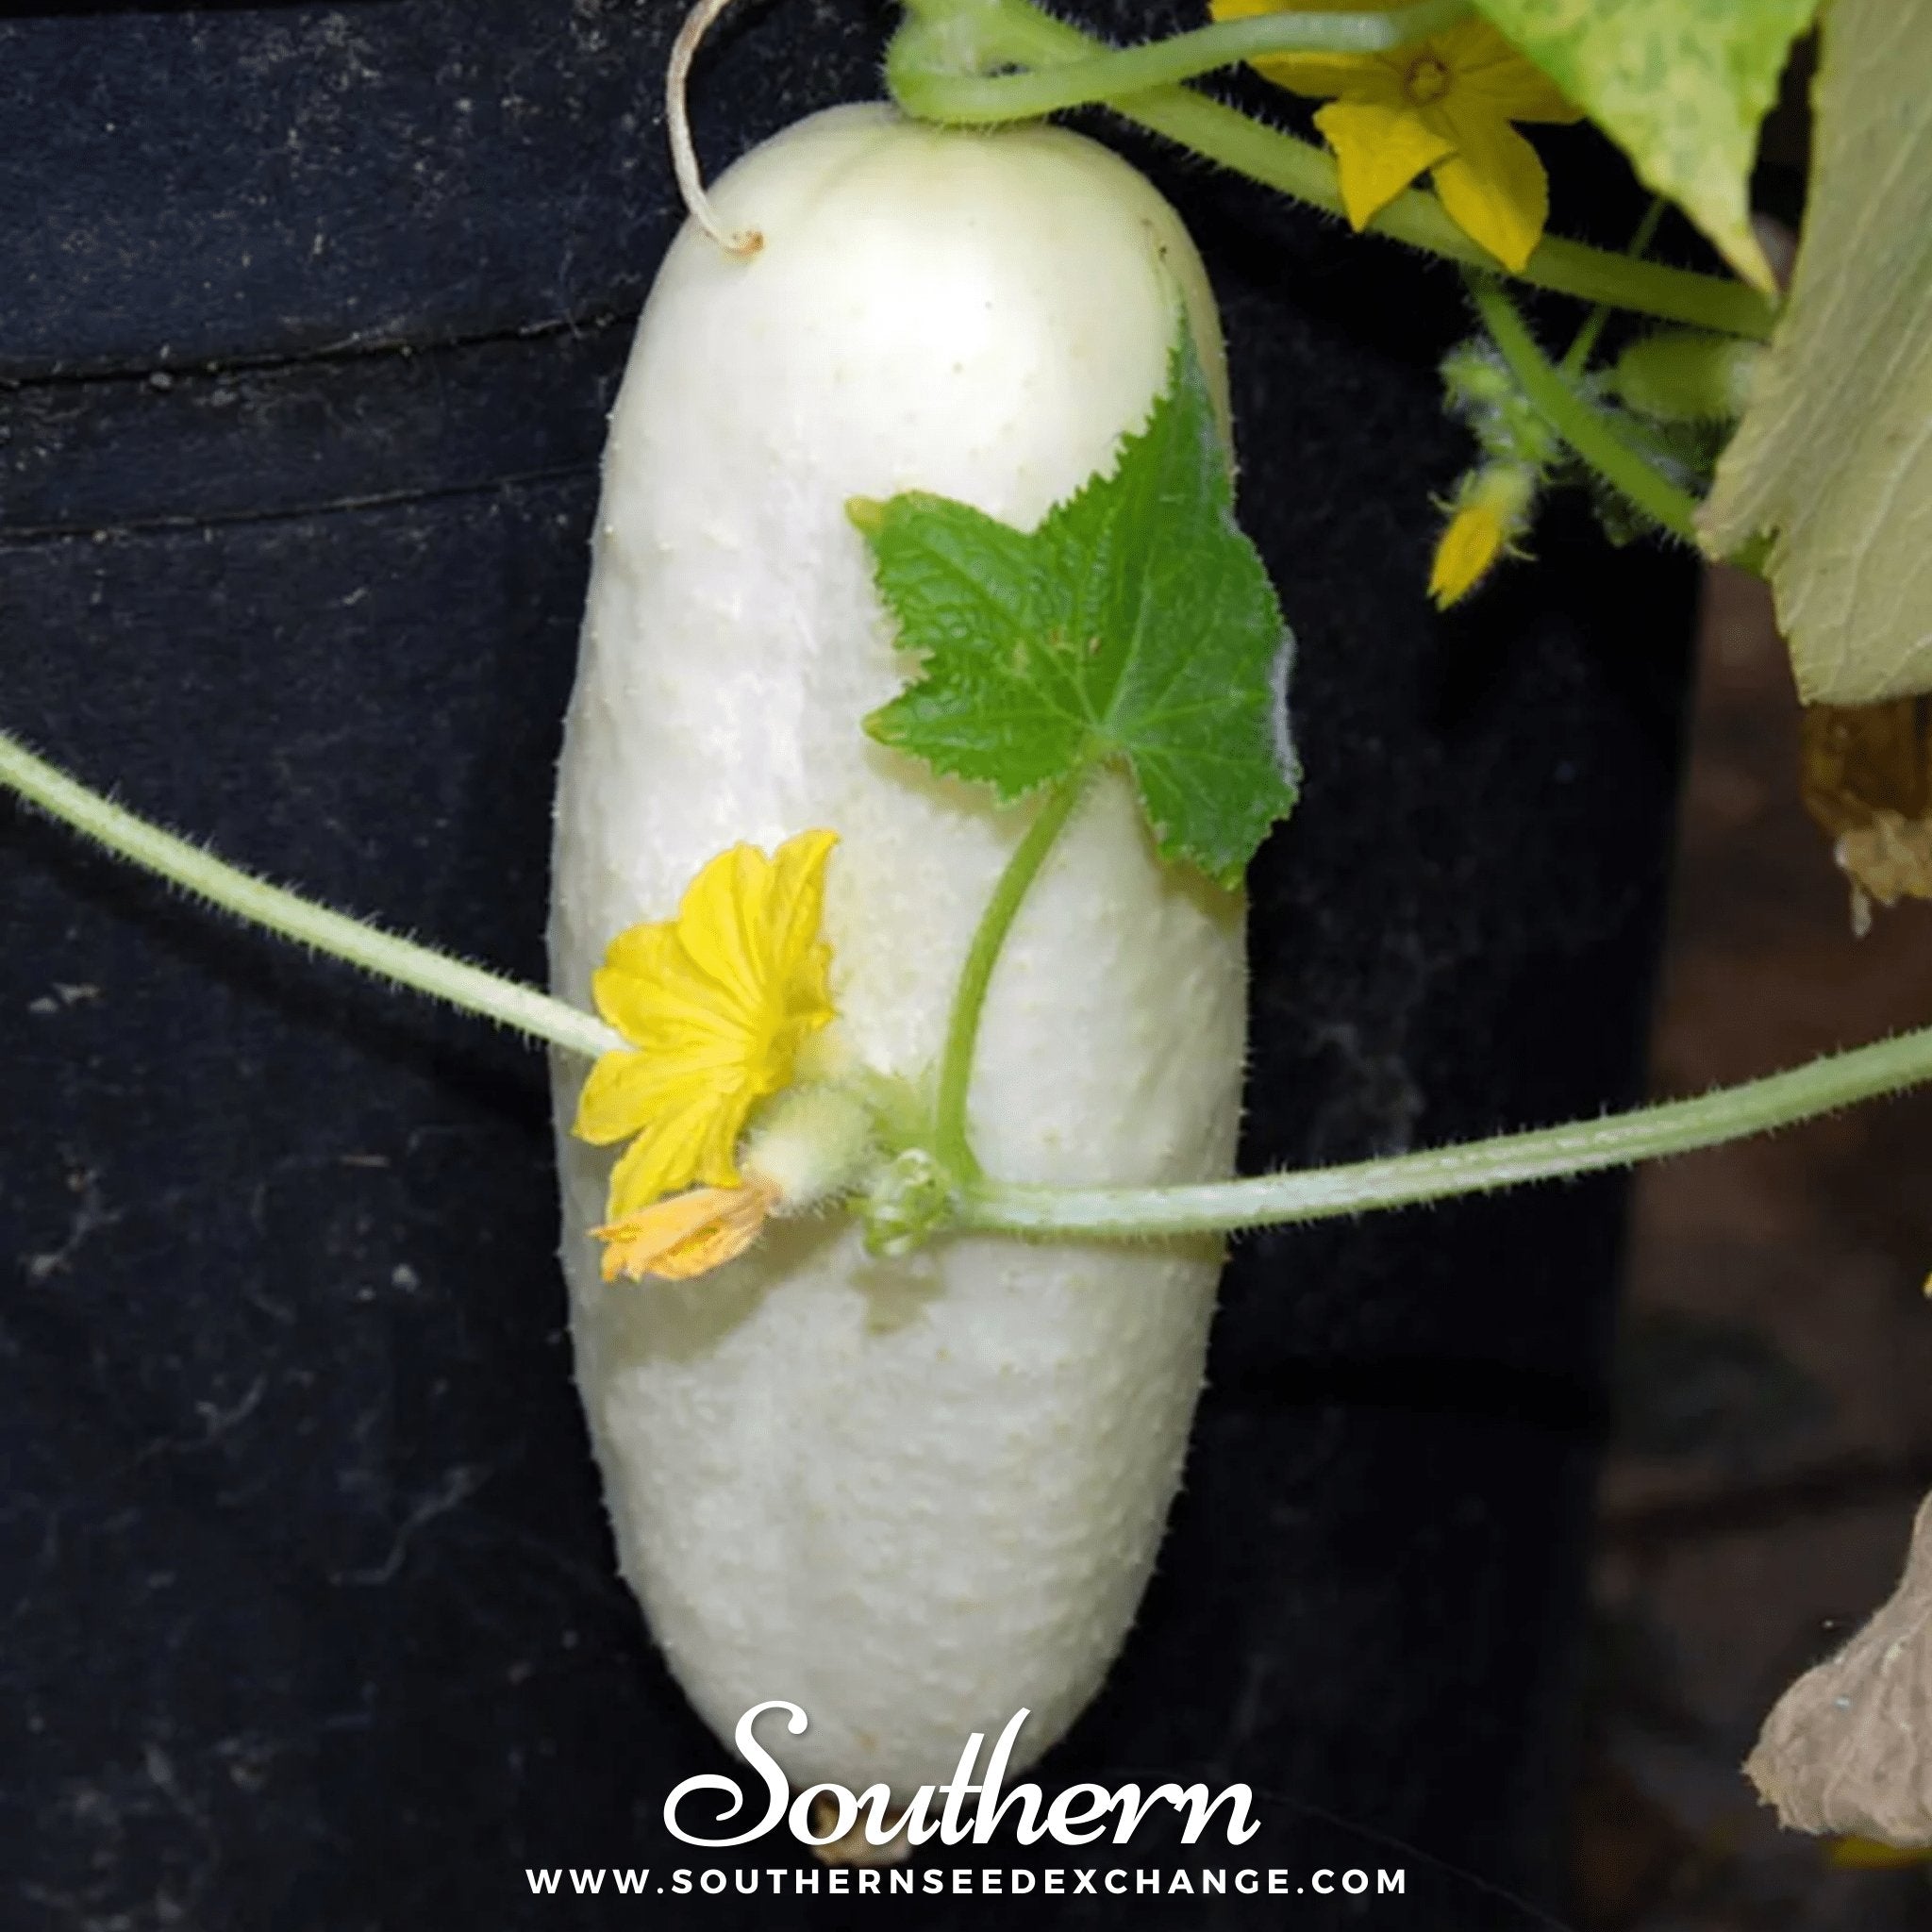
(290, 916)
(984, 99)
(1583, 346)
(951, 1141)
(932, 70)
(1588, 433)
(1676, 1126)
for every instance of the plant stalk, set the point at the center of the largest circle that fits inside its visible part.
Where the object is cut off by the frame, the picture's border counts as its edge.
(1096, 79)
(1593, 437)
(930, 72)
(952, 1144)
(1648, 1133)
(287, 915)
(1678, 1127)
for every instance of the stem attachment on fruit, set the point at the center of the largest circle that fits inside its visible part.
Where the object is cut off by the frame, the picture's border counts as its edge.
(684, 154)
(911, 1200)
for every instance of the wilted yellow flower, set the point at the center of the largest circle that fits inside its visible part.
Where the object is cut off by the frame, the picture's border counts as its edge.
(715, 1005)
(1491, 509)
(1446, 103)
(687, 1235)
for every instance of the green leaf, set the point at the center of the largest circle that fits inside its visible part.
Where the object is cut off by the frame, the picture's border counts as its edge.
(1834, 457)
(1679, 85)
(1134, 623)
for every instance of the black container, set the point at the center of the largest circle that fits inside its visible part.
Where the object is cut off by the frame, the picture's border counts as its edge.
(310, 316)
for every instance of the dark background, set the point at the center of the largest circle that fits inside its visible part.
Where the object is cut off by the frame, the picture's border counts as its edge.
(308, 320)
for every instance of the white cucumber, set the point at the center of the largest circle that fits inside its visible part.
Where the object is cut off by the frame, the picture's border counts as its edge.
(911, 1497)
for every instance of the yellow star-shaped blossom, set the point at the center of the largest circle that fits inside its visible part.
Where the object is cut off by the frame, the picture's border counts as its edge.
(1448, 104)
(715, 1006)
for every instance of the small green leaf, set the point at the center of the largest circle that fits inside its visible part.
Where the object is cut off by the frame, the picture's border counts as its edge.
(1679, 85)
(1834, 455)
(1134, 623)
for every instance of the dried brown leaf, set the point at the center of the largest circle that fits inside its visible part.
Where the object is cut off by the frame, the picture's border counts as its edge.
(1866, 779)
(1849, 1746)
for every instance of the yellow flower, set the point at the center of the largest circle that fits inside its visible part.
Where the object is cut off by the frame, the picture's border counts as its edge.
(715, 1005)
(1491, 509)
(1445, 103)
(689, 1234)
(1470, 544)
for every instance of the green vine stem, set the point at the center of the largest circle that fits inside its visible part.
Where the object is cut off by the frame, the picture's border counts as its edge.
(983, 100)
(930, 70)
(951, 1141)
(388, 956)
(1676, 1126)
(1583, 346)
(1586, 431)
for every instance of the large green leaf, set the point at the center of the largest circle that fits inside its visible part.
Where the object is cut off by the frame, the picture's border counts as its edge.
(1833, 461)
(1679, 85)
(1135, 624)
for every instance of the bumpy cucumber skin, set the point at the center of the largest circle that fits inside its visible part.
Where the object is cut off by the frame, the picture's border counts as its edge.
(909, 1497)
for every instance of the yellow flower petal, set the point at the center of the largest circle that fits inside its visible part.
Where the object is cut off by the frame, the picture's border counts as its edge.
(798, 894)
(625, 1091)
(1240, 9)
(1469, 546)
(1378, 151)
(715, 1006)
(687, 1235)
(1493, 506)
(1335, 76)
(609, 1107)
(1445, 103)
(1329, 76)
(720, 924)
(1365, 76)
(1493, 187)
(635, 956)
(678, 1012)
(1485, 66)
(690, 1140)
